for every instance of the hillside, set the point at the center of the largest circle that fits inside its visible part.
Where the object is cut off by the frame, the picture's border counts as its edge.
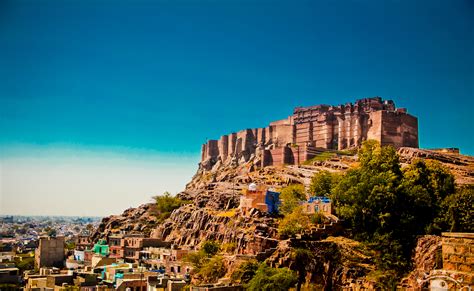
(213, 213)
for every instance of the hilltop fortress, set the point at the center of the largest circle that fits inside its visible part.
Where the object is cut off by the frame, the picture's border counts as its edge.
(313, 129)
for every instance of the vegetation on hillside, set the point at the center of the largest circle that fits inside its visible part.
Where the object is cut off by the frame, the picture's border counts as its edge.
(293, 223)
(290, 197)
(384, 205)
(295, 220)
(245, 272)
(208, 266)
(322, 183)
(25, 262)
(457, 211)
(272, 279)
(165, 204)
(321, 157)
(388, 207)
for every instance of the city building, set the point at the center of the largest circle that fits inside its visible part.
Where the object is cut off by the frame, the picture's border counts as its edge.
(50, 252)
(318, 204)
(259, 197)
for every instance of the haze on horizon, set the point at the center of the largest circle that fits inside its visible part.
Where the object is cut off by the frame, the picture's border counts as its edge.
(105, 104)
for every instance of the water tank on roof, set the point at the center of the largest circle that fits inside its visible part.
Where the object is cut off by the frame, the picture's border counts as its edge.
(253, 187)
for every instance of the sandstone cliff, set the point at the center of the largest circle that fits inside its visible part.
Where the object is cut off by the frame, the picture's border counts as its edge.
(217, 190)
(212, 215)
(461, 166)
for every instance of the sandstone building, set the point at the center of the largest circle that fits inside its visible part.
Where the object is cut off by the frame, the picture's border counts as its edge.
(50, 252)
(312, 129)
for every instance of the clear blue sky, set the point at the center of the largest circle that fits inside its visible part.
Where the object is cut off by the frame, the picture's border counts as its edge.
(138, 79)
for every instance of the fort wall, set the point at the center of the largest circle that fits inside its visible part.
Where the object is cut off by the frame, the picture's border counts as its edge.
(293, 139)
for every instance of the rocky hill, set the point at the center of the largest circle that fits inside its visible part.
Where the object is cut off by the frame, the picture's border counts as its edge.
(213, 215)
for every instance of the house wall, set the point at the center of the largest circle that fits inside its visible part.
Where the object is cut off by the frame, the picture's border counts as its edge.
(50, 252)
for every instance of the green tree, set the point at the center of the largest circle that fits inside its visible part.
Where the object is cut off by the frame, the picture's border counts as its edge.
(212, 269)
(294, 223)
(367, 197)
(197, 259)
(210, 248)
(457, 211)
(165, 204)
(426, 184)
(291, 197)
(26, 263)
(229, 247)
(245, 272)
(388, 207)
(51, 232)
(302, 258)
(272, 279)
(370, 200)
(322, 183)
(70, 245)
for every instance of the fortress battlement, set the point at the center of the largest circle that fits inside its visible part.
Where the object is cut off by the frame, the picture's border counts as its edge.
(310, 129)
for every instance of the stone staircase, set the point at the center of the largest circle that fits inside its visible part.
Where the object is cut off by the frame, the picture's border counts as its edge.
(320, 231)
(263, 255)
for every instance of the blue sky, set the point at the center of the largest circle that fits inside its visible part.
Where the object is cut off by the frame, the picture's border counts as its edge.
(141, 81)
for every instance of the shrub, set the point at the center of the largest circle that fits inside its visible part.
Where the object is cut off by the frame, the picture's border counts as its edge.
(322, 183)
(317, 218)
(229, 247)
(26, 263)
(70, 245)
(210, 248)
(457, 211)
(388, 207)
(321, 157)
(165, 204)
(272, 279)
(291, 197)
(294, 223)
(245, 272)
(197, 259)
(212, 270)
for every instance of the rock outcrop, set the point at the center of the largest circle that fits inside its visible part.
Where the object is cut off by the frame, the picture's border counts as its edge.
(427, 256)
(461, 166)
(333, 263)
(214, 193)
(191, 225)
(138, 220)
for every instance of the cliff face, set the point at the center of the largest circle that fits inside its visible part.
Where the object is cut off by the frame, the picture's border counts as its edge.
(333, 263)
(461, 166)
(427, 257)
(140, 219)
(217, 190)
(214, 192)
(190, 225)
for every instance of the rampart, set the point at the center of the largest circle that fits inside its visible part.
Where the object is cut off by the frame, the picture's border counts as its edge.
(313, 129)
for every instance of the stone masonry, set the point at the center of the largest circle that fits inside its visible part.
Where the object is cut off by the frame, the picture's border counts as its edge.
(311, 129)
(458, 256)
(50, 252)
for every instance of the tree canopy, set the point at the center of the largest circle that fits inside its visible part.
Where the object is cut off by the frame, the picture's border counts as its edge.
(322, 183)
(294, 222)
(272, 279)
(165, 204)
(291, 196)
(388, 206)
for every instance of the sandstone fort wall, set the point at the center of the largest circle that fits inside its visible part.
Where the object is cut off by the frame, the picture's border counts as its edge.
(294, 139)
